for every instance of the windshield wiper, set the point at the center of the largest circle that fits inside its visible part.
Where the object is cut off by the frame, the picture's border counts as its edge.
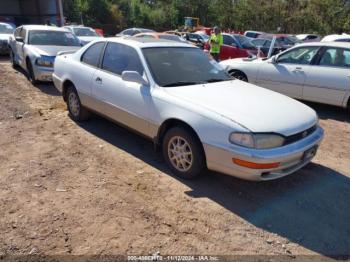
(183, 83)
(213, 80)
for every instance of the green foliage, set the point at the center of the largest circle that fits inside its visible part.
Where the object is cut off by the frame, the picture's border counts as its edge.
(290, 16)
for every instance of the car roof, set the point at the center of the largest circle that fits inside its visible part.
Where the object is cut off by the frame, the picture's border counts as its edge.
(76, 26)
(147, 42)
(45, 27)
(331, 44)
(4, 23)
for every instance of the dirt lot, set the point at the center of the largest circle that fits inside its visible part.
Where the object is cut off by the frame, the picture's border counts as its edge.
(96, 188)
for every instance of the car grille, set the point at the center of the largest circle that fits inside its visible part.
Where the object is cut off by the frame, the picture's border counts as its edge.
(294, 138)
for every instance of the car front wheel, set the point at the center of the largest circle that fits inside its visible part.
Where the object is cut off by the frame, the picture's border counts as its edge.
(183, 153)
(31, 75)
(75, 108)
(239, 75)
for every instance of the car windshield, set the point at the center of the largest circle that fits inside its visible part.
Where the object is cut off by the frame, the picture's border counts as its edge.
(205, 37)
(171, 37)
(176, 66)
(55, 38)
(85, 31)
(244, 41)
(6, 29)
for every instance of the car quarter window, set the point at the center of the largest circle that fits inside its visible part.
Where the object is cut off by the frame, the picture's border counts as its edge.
(22, 33)
(302, 55)
(17, 31)
(119, 58)
(337, 57)
(92, 54)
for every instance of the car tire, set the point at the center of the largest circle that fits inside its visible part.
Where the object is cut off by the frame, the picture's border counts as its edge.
(76, 111)
(183, 153)
(30, 72)
(238, 75)
(13, 62)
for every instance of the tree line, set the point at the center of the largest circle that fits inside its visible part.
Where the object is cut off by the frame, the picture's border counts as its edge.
(284, 16)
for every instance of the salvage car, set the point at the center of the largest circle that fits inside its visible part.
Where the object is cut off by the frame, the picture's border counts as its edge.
(173, 94)
(317, 72)
(134, 31)
(235, 46)
(6, 30)
(34, 48)
(170, 37)
(336, 38)
(83, 33)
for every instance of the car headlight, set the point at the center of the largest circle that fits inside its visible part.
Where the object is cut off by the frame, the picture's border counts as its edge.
(258, 141)
(45, 61)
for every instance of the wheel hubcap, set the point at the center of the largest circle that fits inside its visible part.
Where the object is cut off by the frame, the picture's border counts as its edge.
(74, 104)
(180, 153)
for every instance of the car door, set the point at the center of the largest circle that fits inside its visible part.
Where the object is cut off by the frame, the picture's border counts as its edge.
(229, 49)
(89, 62)
(126, 102)
(288, 72)
(329, 80)
(20, 46)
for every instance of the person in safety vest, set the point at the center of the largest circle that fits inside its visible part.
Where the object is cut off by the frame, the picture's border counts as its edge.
(216, 41)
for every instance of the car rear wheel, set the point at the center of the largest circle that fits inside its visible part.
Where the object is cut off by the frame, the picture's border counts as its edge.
(76, 110)
(238, 75)
(30, 72)
(183, 153)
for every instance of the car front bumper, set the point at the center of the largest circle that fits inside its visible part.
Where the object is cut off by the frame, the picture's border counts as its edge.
(4, 48)
(291, 158)
(43, 73)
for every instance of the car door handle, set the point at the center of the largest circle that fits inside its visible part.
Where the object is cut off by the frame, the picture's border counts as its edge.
(298, 69)
(98, 80)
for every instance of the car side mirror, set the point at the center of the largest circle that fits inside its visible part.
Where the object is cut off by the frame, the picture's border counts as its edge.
(274, 59)
(19, 39)
(133, 76)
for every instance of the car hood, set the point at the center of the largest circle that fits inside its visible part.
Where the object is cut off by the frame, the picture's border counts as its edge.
(87, 39)
(253, 107)
(53, 50)
(4, 36)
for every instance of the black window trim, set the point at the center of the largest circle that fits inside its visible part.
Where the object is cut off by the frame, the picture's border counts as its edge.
(101, 55)
(115, 74)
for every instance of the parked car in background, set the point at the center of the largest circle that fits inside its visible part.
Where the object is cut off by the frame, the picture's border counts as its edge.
(6, 30)
(34, 48)
(253, 34)
(265, 44)
(235, 47)
(317, 72)
(336, 38)
(161, 36)
(308, 38)
(187, 105)
(134, 31)
(283, 41)
(84, 34)
(199, 40)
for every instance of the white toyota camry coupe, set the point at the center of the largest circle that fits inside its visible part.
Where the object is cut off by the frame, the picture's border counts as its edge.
(190, 107)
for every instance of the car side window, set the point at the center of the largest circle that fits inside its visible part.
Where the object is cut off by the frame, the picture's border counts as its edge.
(92, 54)
(119, 58)
(302, 55)
(337, 57)
(228, 40)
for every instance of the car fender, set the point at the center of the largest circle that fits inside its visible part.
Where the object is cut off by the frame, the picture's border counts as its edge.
(210, 127)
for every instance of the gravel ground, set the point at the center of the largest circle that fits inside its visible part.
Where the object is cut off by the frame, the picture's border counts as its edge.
(96, 188)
